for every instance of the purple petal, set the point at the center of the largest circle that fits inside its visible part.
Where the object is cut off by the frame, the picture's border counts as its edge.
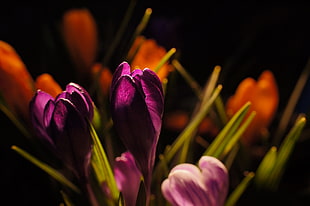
(121, 70)
(132, 120)
(37, 114)
(184, 187)
(127, 177)
(72, 137)
(215, 178)
(189, 185)
(154, 99)
(81, 99)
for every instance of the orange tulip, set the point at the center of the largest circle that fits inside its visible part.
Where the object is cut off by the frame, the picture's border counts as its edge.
(16, 84)
(79, 31)
(264, 97)
(47, 83)
(104, 79)
(147, 54)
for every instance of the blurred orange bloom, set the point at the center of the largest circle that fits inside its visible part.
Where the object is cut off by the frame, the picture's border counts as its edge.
(80, 34)
(16, 84)
(47, 83)
(264, 97)
(178, 120)
(104, 79)
(147, 53)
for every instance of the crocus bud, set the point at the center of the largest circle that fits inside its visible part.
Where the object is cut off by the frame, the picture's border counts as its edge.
(127, 177)
(47, 83)
(62, 124)
(79, 31)
(264, 97)
(16, 84)
(204, 186)
(137, 105)
(148, 55)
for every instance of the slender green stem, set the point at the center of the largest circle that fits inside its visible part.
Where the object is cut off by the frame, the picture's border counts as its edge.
(15, 121)
(165, 59)
(188, 78)
(238, 191)
(49, 170)
(173, 149)
(286, 117)
(120, 32)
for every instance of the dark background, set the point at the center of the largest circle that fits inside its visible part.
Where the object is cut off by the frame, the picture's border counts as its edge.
(243, 38)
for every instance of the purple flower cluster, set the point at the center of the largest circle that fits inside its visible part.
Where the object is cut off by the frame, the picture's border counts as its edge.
(62, 123)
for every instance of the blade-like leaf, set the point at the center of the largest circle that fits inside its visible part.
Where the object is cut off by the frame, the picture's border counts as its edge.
(101, 165)
(238, 191)
(192, 126)
(264, 169)
(285, 150)
(217, 146)
(234, 139)
(49, 170)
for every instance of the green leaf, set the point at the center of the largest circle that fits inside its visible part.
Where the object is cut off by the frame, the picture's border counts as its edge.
(204, 98)
(121, 201)
(4, 108)
(264, 169)
(191, 127)
(222, 139)
(164, 59)
(234, 139)
(187, 77)
(49, 170)
(101, 165)
(238, 191)
(285, 150)
(66, 198)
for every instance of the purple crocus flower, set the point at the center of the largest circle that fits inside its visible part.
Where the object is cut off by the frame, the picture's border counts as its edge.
(137, 107)
(204, 186)
(62, 123)
(127, 177)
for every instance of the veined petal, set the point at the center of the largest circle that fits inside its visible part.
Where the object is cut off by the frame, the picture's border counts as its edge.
(185, 188)
(189, 185)
(215, 179)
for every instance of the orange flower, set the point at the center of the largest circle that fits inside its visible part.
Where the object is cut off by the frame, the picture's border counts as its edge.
(264, 97)
(79, 31)
(47, 83)
(147, 54)
(105, 77)
(16, 84)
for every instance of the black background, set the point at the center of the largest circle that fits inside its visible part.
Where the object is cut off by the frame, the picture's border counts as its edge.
(243, 38)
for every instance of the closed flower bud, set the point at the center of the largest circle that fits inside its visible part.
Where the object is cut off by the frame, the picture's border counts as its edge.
(137, 105)
(47, 83)
(62, 124)
(16, 84)
(79, 31)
